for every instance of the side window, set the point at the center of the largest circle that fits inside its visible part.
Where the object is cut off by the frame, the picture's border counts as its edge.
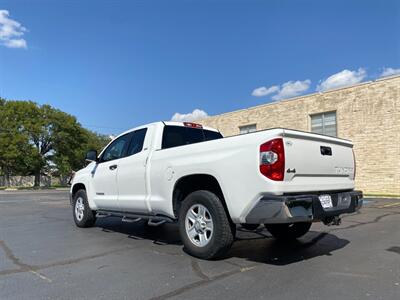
(212, 135)
(173, 136)
(193, 135)
(116, 149)
(137, 140)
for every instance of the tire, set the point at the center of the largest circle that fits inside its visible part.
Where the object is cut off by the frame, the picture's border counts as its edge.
(204, 226)
(83, 215)
(250, 227)
(288, 231)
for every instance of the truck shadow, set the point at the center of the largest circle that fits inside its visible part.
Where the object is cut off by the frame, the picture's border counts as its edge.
(256, 246)
(166, 234)
(266, 249)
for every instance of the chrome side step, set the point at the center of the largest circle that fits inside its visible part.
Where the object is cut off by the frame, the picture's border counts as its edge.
(102, 215)
(153, 223)
(130, 220)
(153, 220)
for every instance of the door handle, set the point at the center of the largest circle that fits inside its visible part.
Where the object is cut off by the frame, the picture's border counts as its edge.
(113, 167)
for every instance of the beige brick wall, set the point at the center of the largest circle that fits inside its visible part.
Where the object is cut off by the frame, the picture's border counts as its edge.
(368, 114)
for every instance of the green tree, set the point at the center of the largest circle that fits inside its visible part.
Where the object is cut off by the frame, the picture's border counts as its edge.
(67, 159)
(16, 153)
(42, 139)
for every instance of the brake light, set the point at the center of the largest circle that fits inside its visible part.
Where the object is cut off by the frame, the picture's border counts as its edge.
(192, 125)
(272, 159)
(354, 162)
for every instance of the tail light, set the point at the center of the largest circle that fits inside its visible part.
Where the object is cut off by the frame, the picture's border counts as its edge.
(354, 162)
(272, 159)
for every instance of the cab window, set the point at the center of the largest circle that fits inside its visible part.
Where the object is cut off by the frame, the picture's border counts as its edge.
(174, 136)
(137, 140)
(116, 149)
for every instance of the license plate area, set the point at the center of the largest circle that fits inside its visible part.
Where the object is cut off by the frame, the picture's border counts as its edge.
(326, 201)
(342, 203)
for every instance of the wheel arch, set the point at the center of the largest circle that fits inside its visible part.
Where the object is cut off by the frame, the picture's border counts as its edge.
(76, 187)
(195, 182)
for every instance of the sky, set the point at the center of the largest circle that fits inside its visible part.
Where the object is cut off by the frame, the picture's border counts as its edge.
(119, 64)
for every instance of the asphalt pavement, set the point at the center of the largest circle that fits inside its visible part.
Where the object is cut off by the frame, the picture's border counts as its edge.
(44, 256)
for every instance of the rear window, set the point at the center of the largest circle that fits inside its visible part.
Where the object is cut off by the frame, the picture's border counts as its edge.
(211, 135)
(174, 136)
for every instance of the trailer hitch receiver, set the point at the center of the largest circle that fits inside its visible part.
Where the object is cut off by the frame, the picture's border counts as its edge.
(335, 220)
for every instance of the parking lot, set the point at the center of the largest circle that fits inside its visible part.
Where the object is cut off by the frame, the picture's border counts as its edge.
(44, 256)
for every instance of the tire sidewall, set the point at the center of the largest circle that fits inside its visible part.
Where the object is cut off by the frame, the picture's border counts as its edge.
(88, 218)
(212, 203)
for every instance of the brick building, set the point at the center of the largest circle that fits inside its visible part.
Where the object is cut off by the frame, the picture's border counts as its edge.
(367, 113)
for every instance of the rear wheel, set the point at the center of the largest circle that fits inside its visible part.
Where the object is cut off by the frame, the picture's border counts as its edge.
(204, 226)
(83, 215)
(288, 231)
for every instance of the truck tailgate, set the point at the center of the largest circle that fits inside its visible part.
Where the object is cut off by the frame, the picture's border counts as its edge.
(316, 162)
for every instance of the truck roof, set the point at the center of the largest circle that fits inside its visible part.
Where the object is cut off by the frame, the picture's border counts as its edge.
(168, 123)
(174, 123)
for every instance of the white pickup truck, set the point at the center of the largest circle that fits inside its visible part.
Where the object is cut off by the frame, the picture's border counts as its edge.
(190, 174)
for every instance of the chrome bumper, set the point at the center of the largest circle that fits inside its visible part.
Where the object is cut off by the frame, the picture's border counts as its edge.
(302, 208)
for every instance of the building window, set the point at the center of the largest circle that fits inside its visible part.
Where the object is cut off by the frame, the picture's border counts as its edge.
(324, 123)
(248, 128)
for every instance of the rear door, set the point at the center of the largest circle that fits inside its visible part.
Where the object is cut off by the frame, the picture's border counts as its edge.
(316, 162)
(131, 175)
(104, 174)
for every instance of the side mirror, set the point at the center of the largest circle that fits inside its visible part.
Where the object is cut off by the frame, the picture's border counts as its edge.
(91, 155)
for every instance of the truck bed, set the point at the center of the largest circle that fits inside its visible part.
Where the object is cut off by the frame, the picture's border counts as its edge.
(234, 161)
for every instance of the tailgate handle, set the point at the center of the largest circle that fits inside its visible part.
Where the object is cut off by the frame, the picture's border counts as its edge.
(326, 150)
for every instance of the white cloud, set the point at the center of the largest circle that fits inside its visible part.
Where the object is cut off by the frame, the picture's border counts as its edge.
(11, 31)
(17, 43)
(292, 89)
(264, 91)
(190, 117)
(390, 72)
(287, 90)
(342, 79)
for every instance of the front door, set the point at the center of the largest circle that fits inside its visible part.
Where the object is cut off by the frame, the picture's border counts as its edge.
(104, 178)
(104, 174)
(132, 175)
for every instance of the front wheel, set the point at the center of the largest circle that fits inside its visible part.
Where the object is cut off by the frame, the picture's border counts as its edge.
(204, 226)
(83, 215)
(288, 231)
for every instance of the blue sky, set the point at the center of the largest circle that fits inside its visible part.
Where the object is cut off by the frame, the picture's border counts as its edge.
(118, 64)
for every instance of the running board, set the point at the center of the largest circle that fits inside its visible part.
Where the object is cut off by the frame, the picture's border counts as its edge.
(154, 220)
(129, 220)
(102, 215)
(153, 223)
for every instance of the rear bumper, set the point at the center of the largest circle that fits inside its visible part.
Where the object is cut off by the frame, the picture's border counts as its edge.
(302, 208)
